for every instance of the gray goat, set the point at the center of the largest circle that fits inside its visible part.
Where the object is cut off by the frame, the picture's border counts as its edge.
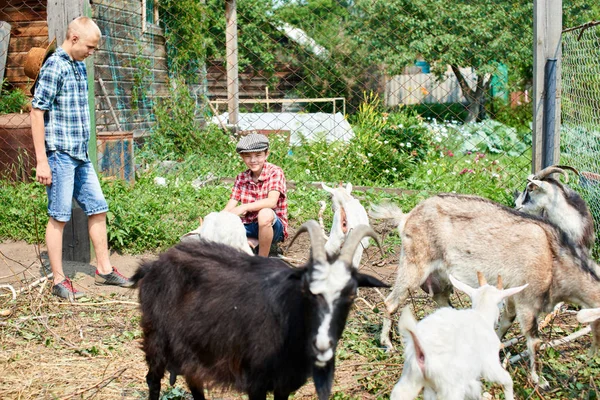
(548, 198)
(461, 234)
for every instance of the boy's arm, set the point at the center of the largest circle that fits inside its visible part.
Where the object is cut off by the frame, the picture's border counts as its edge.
(230, 205)
(42, 170)
(269, 202)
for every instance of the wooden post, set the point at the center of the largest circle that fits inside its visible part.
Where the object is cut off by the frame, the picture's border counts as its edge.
(76, 239)
(4, 40)
(547, 27)
(231, 44)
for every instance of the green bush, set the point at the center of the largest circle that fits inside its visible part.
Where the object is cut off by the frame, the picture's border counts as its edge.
(440, 111)
(12, 101)
(175, 133)
(519, 117)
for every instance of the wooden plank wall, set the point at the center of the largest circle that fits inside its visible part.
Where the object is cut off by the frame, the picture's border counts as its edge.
(124, 47)
(252, 84)
(28, 29)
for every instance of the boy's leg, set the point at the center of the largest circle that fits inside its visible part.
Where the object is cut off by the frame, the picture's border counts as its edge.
(88, 194)
(54, 241)
(60, 195)
(97, 229)
(266, 218)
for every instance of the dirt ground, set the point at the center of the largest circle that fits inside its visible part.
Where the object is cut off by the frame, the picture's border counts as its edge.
(91, 349)
(51, 349)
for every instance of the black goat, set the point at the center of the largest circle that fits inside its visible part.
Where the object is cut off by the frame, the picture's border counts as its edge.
(220, 317)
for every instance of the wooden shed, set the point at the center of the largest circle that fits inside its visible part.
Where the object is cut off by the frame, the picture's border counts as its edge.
(130, 66)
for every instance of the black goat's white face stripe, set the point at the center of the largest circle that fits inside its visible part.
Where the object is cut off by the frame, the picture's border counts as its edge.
(328, 281)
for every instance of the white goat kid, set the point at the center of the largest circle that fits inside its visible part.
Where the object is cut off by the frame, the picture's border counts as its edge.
(588, 315)
(221, 227)
(449, 351)
(348, 214)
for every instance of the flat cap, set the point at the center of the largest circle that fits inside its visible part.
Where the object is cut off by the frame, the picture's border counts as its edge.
(252, 142)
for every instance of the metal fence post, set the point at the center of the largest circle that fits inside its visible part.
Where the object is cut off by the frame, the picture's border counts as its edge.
(547, 27)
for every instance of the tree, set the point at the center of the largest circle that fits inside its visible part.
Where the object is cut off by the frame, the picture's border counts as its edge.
(477, 33)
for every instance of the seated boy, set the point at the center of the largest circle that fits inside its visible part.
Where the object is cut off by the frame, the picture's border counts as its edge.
(261, 191)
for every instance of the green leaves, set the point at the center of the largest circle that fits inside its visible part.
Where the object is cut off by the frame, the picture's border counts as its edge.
(11, 101)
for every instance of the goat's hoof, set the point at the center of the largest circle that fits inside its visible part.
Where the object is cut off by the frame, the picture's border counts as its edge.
(388, 348)
(543, 384)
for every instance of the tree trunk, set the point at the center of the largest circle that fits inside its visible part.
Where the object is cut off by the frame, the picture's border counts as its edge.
(475, 98)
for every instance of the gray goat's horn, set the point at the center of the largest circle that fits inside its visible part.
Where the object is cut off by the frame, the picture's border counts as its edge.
(552, 169)
(316, 239)
(353, 241)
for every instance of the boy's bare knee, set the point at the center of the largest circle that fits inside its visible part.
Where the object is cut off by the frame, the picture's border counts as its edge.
(266, 216)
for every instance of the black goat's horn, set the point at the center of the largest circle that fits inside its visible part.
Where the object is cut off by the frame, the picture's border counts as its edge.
(316, 240)
(353, 241)
(552, 169)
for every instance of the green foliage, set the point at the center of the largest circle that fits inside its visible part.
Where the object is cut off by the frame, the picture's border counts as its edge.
(519, 117)
(11, 101)
(174, 393)
(492, 136)
(176, 131)
(440, 111)
(186, 24)
(22, 211)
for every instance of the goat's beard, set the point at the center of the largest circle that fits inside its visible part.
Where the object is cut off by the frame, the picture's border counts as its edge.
(323, 378)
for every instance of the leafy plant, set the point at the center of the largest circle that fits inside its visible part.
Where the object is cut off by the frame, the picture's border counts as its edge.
(11, 101)
(176, 131)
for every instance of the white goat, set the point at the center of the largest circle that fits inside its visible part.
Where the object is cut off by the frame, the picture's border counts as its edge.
(449, 351)
(221, 227)
(547, 197)
(460, 234)
(348, 214)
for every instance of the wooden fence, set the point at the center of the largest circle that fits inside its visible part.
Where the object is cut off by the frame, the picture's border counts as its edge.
(426, 88)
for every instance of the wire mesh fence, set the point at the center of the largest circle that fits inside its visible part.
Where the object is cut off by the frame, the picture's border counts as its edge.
(365, 91)
(580, 129)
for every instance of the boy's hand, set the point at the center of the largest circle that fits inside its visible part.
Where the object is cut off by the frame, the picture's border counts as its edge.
(239, 210)
(43, 174)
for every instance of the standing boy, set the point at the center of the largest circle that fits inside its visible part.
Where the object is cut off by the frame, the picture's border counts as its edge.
(261, 191)
(60, 126)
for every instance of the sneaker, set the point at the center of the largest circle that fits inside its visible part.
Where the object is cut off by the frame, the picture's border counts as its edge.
(66, 290)
(114, 278)
(275, 251)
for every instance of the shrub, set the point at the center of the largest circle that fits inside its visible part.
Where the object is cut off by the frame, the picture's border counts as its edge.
(12, 101)
(440, 111)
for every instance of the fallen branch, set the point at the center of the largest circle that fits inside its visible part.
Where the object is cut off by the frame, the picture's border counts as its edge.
(555, 343)
(549, 318)
(133, 303)
(98, 385)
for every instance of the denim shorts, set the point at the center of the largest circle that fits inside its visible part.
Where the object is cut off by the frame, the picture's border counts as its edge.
(76, 179)
(252, 229)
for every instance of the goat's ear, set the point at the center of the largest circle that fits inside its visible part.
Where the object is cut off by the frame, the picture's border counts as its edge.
(516, 194)
(509, 292)
(326, 188)
(463, 287)
(365, 280)
(348, 188)
(588, 315)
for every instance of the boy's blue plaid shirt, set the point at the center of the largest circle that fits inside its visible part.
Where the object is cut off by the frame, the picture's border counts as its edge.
(62, 91)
